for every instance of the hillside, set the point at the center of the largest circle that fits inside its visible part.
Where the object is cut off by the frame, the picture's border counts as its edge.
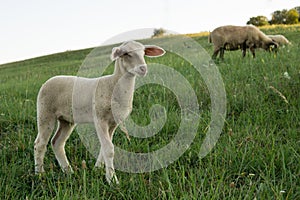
(256, 156)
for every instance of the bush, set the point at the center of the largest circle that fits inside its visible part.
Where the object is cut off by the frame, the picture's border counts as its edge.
(258, 21)
(292, 17)
(158, 32)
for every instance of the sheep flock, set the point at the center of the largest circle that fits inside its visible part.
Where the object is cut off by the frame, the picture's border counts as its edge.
(99, 97)
(232, 38)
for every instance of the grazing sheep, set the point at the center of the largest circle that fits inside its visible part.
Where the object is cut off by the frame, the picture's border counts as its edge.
(279, 39)
(229, 46)
(95, 101)
(239, 37)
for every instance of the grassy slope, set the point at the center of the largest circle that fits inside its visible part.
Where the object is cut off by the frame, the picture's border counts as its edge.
(257, 154)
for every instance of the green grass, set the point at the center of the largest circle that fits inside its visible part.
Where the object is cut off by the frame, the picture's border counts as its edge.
(257, 155)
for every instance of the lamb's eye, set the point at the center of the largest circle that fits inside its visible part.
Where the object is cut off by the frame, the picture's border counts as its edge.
(127, 54)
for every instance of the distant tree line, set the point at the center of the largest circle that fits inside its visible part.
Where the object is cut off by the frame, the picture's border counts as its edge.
(284, 16)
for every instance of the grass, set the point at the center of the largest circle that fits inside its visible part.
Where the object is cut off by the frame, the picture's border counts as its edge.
(257, 155)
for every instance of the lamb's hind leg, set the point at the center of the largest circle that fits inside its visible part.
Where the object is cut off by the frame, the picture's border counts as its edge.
(45, 126)
(252, 49)
(222, 50)
(215, 54)
(58, 142)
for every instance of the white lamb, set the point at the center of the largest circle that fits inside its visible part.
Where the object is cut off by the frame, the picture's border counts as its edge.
(98, 97)
(280, 39)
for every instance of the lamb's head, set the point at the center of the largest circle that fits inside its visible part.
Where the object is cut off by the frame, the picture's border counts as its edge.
(270, 45)
(130, 57)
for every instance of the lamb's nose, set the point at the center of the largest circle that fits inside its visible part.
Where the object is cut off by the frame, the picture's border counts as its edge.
(143, 68)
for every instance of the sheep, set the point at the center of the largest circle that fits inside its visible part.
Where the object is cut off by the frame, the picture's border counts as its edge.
(280, 40)
(226, 46)
(94, 102)
(239, 37)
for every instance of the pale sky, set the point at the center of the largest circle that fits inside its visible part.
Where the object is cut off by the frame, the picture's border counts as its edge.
(31, 28)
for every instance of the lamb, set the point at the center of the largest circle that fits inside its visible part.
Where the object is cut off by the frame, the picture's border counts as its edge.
(280, 39)
(239, 37)
(98, 98)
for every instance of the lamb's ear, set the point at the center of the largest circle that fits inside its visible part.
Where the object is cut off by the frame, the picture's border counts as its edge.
(273, 45)
(153, 51)
(116, 53)
(276, 44)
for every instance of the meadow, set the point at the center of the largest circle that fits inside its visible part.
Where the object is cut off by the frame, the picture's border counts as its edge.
(256, 157)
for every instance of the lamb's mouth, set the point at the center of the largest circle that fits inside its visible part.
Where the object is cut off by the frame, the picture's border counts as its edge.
(140, 70)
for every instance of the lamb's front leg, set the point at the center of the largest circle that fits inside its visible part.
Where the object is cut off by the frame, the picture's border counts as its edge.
(100, 160)
(107, 152)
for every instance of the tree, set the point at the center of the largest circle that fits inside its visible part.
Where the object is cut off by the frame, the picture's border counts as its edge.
(298, 10)
(158, 32)
(292, 17)
(258, 21)
(279, 17)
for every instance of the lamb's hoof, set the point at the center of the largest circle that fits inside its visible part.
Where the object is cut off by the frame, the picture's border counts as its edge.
(113, 180)
(39, 170)
(99, 169)
(39, 174)
(68, 170)
(99, 165)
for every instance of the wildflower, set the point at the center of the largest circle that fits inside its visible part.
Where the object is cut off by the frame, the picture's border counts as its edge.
(243, 173)
(230, 132)
(83, 164)
(286, 75)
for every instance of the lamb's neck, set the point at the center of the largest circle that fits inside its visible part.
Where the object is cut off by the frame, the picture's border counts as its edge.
(122, 74)
(125, 82)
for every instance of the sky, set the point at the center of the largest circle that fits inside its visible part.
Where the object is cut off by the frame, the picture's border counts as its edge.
(35, 28)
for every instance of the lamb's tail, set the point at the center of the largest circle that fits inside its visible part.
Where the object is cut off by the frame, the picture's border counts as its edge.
(209, 37)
